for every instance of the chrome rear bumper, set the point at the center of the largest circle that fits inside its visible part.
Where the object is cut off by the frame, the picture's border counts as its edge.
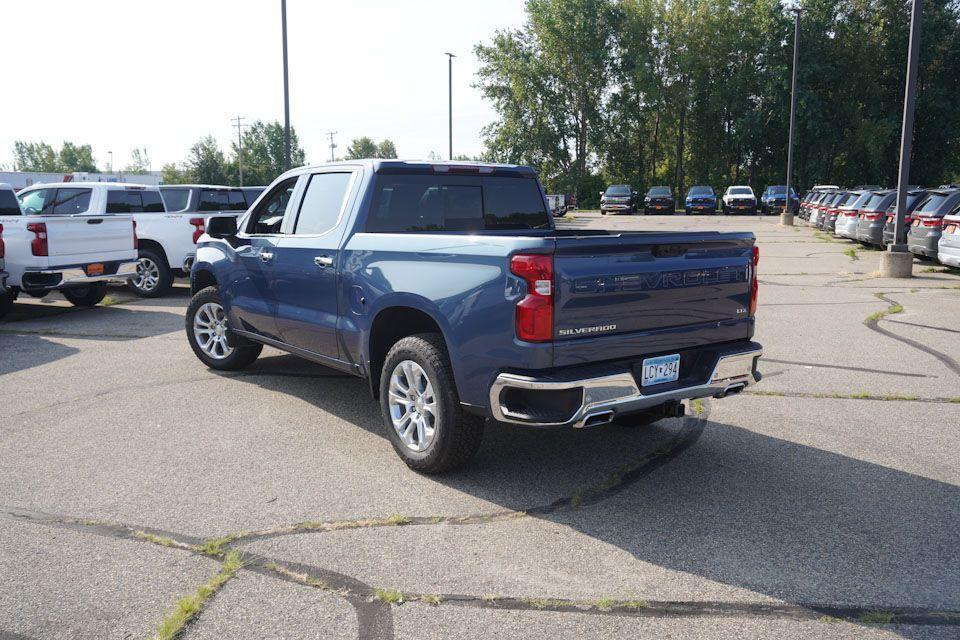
(604, 396)
(75, 276)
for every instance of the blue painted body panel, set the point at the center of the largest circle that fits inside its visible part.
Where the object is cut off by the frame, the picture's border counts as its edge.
(462, 281)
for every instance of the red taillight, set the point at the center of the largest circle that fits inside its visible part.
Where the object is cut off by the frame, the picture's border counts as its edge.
(851, 214)
(3, 247)
(871, 216)
(535, 311)
(754, 285)
(136, 240)
(198, 230)
(935, 223)
(38, 246)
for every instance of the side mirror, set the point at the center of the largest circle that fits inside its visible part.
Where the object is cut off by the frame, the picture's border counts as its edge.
(222, 227)
(601, 194)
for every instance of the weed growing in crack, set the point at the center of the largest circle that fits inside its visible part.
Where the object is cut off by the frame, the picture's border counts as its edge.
(491, 597)
(696, 405)
(398, 520)
(390, 596)
(163, 541)
(635, 603)
(544, 603)
(851, 253)
(829, 619)
(431, 599)
(876, 617)
(216, 546)
(188, 607)
(605, 604)
(889, 311)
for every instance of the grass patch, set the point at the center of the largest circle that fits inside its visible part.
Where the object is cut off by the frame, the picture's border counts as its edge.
(431, 599)
(696, 405)
(935, 270)
(829, 619)
(889, 311)
(163, 541)
(188, 607)
(216, 546)
(876, 617)
(544, 603)
(390, 596)
(491, 597)
(398, 520)
(635, 603)
(955, 400)
(851, 253)
(110, 300)
(605, 604)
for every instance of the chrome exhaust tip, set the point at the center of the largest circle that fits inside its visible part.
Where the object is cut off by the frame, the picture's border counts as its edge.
(596, 419)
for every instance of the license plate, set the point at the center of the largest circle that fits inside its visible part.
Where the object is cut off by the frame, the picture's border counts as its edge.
(659, 370)
(95, 269)
(741, 207)
(951, 228)
(659, 207)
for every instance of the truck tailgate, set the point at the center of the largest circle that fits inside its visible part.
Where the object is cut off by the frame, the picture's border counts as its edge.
(85, 238)
(647, 284)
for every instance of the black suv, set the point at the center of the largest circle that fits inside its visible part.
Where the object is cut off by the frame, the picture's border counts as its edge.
(774, 199)
(659, 200)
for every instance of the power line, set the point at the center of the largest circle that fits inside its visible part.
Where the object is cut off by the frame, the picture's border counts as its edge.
(333, 145)
(239, 125)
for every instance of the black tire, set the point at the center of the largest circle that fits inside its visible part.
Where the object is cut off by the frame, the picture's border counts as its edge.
(87, 296)
(154, 276)
(457, 434)
(244, 351)
(602, 212)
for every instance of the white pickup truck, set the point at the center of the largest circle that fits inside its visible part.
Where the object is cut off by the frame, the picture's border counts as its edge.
(169, 229)
(55, 241)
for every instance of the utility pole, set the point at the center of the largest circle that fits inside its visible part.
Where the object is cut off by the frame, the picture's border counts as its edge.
(111, 161)
(897, 261)
(450, 58)
(333, 145)
(239, 120)
(786, 218)
(286, 88)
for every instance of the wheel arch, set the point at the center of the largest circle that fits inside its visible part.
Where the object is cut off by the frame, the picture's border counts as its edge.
(390, 324)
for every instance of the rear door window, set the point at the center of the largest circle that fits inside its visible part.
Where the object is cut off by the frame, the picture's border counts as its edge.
(152, 202)
(8, 203)
(322, 203)
(175, 199)
(124, 201)
(71, 201)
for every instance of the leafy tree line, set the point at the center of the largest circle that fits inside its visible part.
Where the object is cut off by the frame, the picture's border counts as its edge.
(683, 92)
(41, 157)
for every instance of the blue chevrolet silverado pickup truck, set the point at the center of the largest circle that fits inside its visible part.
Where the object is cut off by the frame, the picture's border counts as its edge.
(449, 289)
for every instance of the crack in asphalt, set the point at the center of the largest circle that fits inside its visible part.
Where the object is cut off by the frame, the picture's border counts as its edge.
(820, 365)
(850, 396)
(873, 323)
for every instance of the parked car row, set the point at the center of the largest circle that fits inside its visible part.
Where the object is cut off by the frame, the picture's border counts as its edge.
(75, 237)
(699, 199)
(866, 214)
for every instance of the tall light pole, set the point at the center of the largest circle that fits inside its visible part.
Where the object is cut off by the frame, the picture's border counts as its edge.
(786, 217)
(450, 58)
(333, 145)
(239, 120)
(897, 262)
(286, 88)
(111, 161)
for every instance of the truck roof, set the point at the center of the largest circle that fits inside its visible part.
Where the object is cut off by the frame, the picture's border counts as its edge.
(425, 166)
(200, 186)
(111, 186)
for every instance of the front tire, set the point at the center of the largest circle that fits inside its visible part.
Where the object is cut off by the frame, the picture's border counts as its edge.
(7, 298)
(421, 410)
(154, 277)
(88, 296)
(207, 333)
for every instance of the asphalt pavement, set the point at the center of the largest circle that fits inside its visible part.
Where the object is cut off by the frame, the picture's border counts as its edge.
(139, 490)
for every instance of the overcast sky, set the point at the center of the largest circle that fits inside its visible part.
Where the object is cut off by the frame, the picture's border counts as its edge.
(162, 73)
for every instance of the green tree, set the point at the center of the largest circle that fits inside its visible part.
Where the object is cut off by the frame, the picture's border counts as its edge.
(205, 162)
(139, 161)
(74, 157)
(386, 150)
(35, 156)
(263, 154)
(361, 148)
(172, 174)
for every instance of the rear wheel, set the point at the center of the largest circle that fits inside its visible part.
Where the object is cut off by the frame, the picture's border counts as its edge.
(88, 296)
(208, 334)
(421, 409)
(154, 277)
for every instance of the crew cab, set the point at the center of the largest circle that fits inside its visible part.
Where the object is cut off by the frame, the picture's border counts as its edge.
(700, 199)
(659, 200)
(54, 240)
(449, 289)
(739, 199)
(170, 219)
(618, 197)
(774, 199)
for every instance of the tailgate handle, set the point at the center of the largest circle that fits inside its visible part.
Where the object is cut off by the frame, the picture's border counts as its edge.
(668, 251)
(95, 221)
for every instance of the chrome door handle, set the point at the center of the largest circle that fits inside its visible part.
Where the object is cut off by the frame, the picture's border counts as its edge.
(323, 261)
(266, 256)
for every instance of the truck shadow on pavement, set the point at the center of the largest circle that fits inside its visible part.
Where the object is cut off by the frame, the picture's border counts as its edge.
(733, 506)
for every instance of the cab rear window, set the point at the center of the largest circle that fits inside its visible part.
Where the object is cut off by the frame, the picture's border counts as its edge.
(222, 200)
(130, 201)
(8, 204)
(439, 203)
